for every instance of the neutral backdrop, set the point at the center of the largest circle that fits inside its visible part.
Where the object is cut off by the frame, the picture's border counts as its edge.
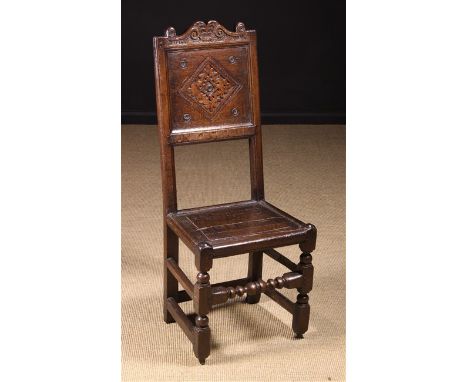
(301, 54)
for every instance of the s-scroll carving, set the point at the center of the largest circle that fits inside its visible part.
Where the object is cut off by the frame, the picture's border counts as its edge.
(200, 32)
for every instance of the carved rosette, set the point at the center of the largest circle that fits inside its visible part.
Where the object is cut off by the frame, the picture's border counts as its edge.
(201, 33)
(209, 88)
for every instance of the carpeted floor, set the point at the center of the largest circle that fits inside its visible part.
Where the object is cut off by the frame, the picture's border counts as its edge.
(305, 176)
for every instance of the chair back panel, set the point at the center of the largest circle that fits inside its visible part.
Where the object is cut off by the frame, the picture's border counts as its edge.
(210, 77)
(207, 90)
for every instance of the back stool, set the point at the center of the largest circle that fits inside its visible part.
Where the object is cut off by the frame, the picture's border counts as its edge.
(207, 90)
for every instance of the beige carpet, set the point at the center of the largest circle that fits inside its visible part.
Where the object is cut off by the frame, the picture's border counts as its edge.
(305, 176)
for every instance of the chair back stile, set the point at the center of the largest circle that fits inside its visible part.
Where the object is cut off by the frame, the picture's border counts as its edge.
(207, 90)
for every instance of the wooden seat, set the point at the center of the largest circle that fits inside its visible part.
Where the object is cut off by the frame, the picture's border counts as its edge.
(207, 90)
(236, 228)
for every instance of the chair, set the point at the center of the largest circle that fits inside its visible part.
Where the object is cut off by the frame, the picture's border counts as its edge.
(207, 90)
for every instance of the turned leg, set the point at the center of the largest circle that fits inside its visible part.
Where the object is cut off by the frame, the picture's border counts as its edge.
(254, 274)
(171, 286)
(201, 304)
(202, 290)
(301, 313)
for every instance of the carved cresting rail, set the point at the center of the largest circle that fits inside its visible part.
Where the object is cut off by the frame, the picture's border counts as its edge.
(201, 32)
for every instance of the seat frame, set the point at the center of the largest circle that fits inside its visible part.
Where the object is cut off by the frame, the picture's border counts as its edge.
(212, 37)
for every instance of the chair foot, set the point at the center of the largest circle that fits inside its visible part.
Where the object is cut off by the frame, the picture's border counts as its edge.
(168, 319)
(301, 313)
(201, 332)
(202, 338)
(202, 361)
(298, 336)
(253, 299)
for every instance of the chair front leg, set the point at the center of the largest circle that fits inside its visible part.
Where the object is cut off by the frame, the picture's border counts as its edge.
(202, 304)
(254, 274)
(301, 312)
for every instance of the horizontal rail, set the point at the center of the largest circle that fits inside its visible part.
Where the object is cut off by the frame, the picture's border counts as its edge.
(180, 276)
(281, 299)
(280, 258)
(178, 314)
(183, 296)
(201, 135)
(290, 280)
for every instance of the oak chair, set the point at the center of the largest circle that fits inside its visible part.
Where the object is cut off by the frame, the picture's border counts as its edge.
(207, 90)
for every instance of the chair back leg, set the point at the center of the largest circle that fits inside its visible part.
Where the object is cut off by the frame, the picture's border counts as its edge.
(171, 286)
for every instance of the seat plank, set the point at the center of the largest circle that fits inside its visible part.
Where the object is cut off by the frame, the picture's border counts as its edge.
(234, 228)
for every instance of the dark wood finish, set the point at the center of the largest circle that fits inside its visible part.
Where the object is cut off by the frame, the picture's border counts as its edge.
(289, 280)
(202, 305)
(255, 273)
(207, 90)
(235, 228)
(171, 250)
(183, 296)
(275, 255)
(301, 313)
(180, 276)
(181, 318)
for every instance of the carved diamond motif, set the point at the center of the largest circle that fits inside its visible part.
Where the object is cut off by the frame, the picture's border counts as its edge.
(209, 88)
